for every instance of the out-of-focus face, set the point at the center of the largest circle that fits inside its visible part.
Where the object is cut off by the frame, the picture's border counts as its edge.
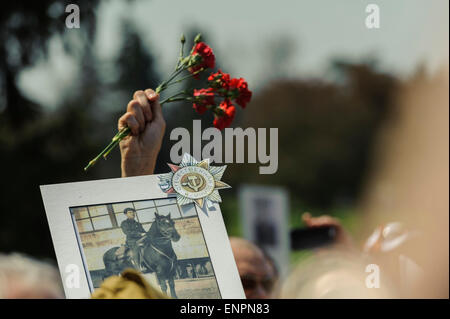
(131, 214)
(257, 274)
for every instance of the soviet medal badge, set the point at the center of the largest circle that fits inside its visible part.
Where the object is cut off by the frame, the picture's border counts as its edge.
(194, 182)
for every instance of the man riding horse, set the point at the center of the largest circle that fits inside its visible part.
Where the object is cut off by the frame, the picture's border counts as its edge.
(157, 255)
(134, 232)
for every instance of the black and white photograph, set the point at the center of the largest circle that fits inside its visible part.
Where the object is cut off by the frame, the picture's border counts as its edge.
(159, 238)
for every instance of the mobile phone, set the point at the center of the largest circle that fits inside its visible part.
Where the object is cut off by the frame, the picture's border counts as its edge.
(312, 237)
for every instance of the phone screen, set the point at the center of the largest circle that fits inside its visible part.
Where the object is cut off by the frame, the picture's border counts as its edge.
(314, 237)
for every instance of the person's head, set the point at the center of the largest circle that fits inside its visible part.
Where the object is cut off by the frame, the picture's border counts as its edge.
(22, 277)
(257, 274)
(130, 213)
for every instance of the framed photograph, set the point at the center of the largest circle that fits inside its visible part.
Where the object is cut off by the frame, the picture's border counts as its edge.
(264, 213)
(99, 228)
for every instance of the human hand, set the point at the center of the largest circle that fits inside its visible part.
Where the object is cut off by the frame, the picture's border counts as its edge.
(140, 149)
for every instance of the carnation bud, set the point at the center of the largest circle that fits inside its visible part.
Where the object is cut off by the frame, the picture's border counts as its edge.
(198, 38)
(194, 59)
(182, 39)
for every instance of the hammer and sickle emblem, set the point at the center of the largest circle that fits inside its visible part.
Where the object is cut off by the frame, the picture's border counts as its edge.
(194, 182)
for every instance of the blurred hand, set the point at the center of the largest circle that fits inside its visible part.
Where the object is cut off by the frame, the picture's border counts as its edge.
(343, 238)
(140, 149)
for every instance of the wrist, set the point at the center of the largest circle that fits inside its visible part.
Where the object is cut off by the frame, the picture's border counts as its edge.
(137, 166)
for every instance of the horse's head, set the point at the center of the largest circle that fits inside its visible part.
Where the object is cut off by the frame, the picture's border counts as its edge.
(166, 227)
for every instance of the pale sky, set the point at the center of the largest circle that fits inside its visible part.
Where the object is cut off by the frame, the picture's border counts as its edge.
(411, 32)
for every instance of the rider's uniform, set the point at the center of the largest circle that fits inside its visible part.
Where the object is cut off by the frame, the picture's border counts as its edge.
(133, 230)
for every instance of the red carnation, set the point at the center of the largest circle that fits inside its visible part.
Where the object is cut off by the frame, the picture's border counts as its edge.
(240, 92)
(202, 99)
(226, 115)
(219, 80)
(207, 59)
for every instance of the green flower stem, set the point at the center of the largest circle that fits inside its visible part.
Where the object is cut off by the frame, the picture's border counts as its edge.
(164, 85)
(92, 163)
(174, 75)
(170, 99)
(185, 78)
(173, 99)
(116, 140)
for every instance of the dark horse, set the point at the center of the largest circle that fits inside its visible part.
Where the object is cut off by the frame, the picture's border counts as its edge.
(156, 252)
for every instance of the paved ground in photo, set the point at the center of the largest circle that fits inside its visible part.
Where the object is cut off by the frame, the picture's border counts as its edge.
(201, 288)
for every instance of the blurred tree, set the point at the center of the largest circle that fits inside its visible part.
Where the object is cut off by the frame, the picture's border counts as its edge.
(34, 149)
(136, 66)
(26, 28)
(326, 131)
(279, 52)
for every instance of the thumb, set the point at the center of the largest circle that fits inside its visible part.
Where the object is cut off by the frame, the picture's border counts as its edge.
(306, 218)
(153, 97)
(157, 110)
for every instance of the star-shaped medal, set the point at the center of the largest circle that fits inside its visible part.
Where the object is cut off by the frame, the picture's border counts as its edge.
(194, 182)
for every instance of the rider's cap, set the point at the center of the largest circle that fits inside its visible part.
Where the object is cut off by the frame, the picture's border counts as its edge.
(126, 210)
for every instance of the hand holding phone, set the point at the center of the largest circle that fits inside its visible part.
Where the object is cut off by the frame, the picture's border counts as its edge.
(320, 231)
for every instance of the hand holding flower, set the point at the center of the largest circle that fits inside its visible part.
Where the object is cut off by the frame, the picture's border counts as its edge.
(139, 150)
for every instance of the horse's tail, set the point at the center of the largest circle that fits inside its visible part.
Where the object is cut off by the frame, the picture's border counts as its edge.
(110, 261)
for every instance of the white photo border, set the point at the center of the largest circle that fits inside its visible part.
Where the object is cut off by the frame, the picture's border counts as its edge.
(58, 198)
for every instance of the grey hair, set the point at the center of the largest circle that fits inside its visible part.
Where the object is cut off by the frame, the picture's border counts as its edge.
(35, 278)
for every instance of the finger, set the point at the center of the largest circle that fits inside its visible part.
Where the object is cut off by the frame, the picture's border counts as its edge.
(306, 217)
(128, 120)
(135, 108)
(324, 221)
(153, 97)
(144, 104)
(327, 220)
